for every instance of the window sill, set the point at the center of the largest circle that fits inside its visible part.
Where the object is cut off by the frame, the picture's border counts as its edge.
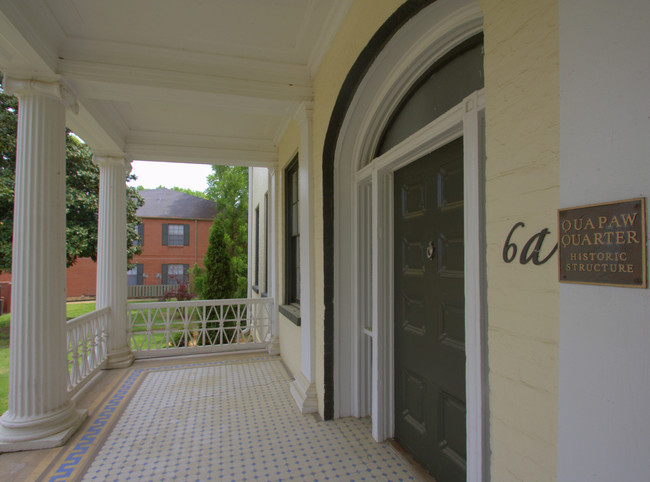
(292, 312)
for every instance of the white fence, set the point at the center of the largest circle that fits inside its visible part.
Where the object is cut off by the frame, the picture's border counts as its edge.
(149, 291)
(87, 337)
(184, 327)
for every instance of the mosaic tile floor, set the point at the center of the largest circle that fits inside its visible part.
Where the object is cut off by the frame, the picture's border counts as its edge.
(230, 421)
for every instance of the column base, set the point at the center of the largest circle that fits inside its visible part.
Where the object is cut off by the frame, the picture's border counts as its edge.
(273, 346)
(304, 394)
(42, 432)
(120, 359)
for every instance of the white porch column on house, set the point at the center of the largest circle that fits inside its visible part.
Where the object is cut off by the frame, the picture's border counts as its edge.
(303, 388)
(271, 276)
(40, 413)
(111, 255)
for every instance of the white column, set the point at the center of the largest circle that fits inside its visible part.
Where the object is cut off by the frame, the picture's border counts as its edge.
(303, 388)
(40, 412)
(111, 255)
(272, 290)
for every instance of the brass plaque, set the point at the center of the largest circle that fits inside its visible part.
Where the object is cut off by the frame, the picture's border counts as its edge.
(604, 244)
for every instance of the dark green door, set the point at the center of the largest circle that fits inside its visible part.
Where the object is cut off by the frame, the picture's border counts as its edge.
(430, 312)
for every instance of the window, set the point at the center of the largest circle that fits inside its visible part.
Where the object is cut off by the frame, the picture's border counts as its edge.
(176, 234)
(175, 274)
(134, 276)
(140, 239)
(292, 241)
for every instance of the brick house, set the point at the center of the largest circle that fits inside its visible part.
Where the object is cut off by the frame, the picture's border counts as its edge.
(174, 232)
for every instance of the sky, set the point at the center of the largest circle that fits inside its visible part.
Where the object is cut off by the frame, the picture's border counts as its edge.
(170, 174)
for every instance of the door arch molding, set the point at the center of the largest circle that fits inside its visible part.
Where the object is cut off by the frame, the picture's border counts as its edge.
(417, 35)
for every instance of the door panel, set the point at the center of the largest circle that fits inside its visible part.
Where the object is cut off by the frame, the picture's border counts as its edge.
(430, 311)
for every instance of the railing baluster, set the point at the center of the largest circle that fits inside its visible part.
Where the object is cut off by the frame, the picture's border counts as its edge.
(86, 347)
(220, 325)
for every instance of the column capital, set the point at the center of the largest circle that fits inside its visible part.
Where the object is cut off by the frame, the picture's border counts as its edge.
(304, 114)
(55, 89)
(108, 160)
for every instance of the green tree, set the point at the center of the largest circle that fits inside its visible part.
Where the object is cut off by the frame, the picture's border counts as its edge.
(8, 125)
(82, 193)
(228, 188)
(219, 282)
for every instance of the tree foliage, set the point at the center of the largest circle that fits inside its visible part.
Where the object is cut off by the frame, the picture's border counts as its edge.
(228, 188)
(82, 193)
(8, 125)
(219, 282)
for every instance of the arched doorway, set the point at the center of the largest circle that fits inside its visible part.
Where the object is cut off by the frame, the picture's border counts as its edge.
(372, 147)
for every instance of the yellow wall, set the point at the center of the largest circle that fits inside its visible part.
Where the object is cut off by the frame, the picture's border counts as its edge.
(361, 23)
(522, 184)
(290, 344)
(259, 187)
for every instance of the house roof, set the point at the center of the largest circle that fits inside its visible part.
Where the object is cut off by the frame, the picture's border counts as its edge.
(167, 203)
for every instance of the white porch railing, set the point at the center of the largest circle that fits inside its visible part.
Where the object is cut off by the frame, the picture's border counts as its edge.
(184, 327)
(87, 347)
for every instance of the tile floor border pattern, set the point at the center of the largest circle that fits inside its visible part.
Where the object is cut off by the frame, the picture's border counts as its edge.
(255, 432)
(78, 456)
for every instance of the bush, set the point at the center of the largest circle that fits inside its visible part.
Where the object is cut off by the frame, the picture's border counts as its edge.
(220, 281)
(181, 293)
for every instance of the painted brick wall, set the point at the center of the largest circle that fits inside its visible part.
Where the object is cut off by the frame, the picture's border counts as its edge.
(154, 254)
(81, 277)
(522, 184)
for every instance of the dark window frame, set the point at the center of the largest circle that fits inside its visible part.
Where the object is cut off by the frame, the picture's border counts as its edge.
(266, 244)
(165, 277)
(291, 308)
(178, 239)
(256, 268)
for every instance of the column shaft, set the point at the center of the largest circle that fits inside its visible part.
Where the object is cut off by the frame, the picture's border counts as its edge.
(40, 412)
(111, 256)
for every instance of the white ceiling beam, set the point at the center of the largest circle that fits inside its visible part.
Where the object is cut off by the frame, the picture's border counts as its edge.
(173, 147)
(294, 89)
(138, 94)
(22, 52)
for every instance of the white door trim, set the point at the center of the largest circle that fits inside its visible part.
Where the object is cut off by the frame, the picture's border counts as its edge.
(424, 39)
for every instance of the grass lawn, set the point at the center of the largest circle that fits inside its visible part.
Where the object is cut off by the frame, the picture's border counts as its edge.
(72, 311)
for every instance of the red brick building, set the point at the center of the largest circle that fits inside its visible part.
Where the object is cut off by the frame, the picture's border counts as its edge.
(174, 231)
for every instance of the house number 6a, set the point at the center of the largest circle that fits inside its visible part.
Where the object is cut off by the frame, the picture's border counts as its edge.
(535, 242)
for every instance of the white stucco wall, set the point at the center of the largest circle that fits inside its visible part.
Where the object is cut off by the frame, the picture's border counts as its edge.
(259, 186)
(604, 385)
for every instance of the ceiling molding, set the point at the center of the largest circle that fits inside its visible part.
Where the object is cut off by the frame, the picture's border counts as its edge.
(187, 61)
(99, 125)
(322, 45)
(161, 146)
(298, 89)
(139, 94)
(22, 50)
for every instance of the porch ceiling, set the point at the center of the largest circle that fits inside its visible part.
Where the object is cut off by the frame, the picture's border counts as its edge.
(188, 81)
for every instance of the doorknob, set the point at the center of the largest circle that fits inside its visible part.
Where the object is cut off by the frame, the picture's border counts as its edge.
(431, 251)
